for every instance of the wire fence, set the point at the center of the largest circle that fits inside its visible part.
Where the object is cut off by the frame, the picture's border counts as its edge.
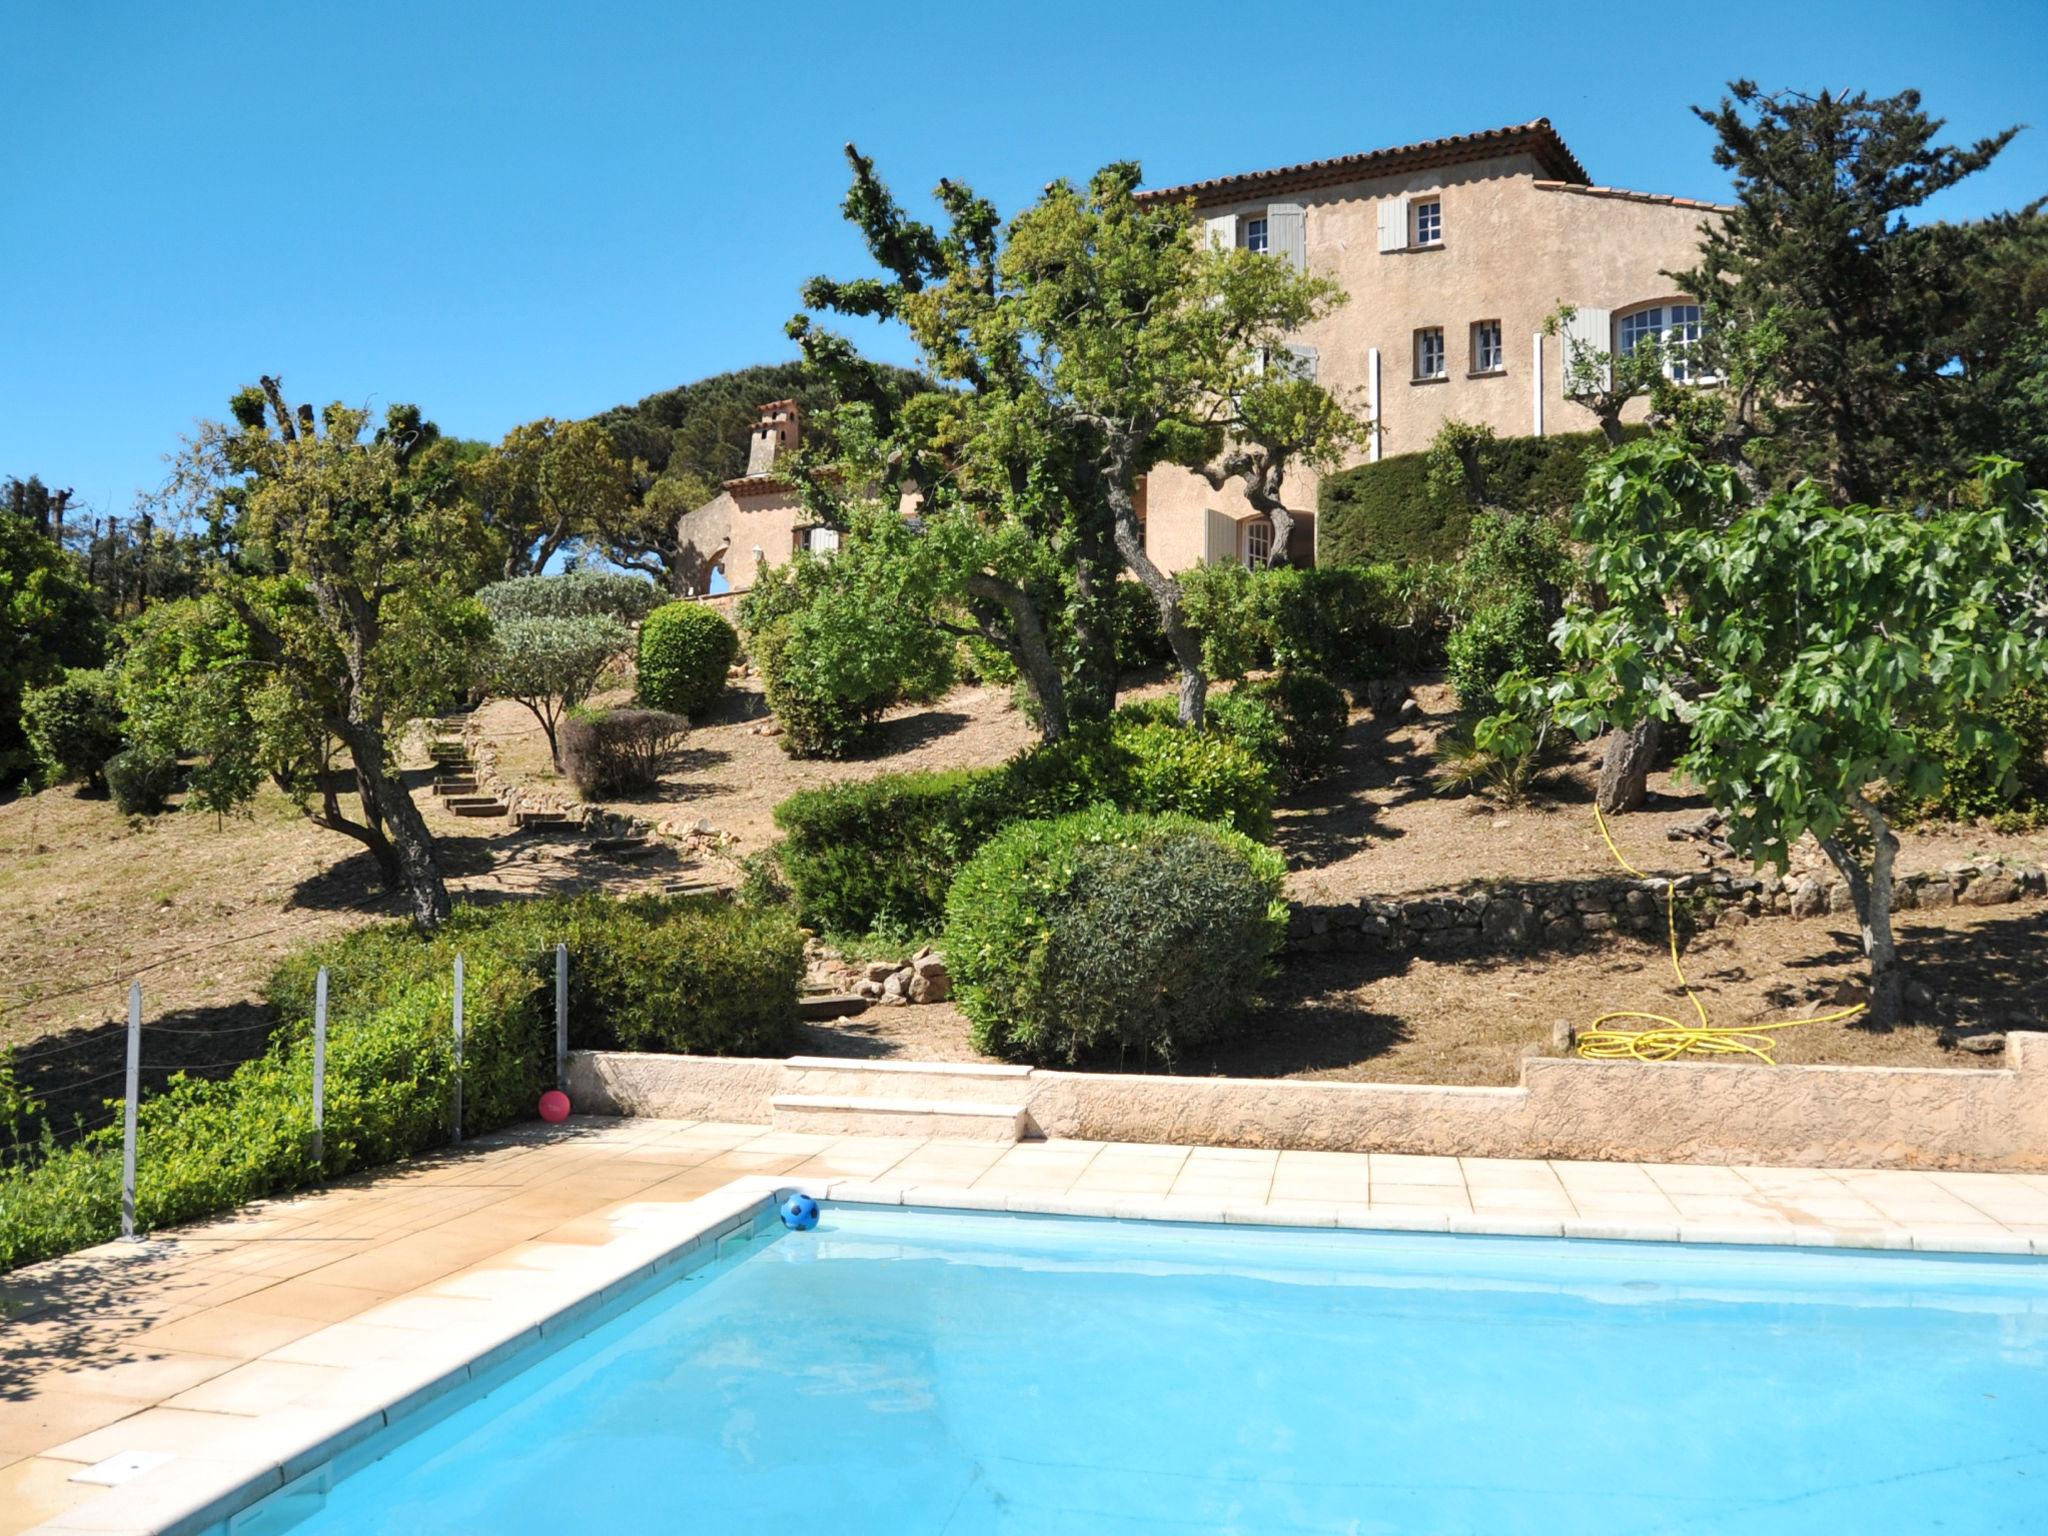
(123, 1110)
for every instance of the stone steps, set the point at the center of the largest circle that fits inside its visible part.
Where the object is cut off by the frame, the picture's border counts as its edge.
(454, 784)
(546, 821)
(954, 1082)
(865, 1115)
(476, 805)
(821, 1006)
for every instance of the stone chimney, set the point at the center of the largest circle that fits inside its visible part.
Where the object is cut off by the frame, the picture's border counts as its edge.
(775, 435)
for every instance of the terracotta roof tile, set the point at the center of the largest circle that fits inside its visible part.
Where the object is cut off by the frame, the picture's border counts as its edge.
(1635, 197)
(1537, 138)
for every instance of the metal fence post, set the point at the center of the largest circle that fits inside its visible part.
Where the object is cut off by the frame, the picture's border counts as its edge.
(458, 1049)
(320, 1069)
(128, 1113)
(562, 1017)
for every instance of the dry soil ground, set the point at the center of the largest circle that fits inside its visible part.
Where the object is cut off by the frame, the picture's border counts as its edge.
(200, 910)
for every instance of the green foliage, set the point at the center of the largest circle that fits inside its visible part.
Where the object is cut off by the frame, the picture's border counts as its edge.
(1876, 357)
(1140, 638)
(685, 651)
(190, 684)
(141, 779)
(571, 595)
(551, 665)
(878, 855)
(1498, 639)
(620, 752)
(688, 975)
(1397, 510)
(73, 726)
(1293, 721)
(1111, 937)
(547, 486)
(2007, 784)
(47, 623)
(840, 640)
(1342, 621)
(1811, 649)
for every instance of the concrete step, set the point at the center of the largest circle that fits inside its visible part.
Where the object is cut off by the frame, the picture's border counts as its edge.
(861, 1115)
(961, 1081)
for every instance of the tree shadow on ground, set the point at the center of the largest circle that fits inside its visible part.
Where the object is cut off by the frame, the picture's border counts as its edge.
(1326, 821)
(75, 1073)
(1989, 976)
(906, 733)
(676, 784)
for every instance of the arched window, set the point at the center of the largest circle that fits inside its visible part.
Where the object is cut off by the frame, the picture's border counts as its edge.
(1674, 326)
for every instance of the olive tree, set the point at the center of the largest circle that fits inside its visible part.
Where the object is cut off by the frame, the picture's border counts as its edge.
(1810, 648)
(551, 665)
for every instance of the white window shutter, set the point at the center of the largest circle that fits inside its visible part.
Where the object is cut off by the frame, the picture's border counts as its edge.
(1222, 231)
(1589, 332)
(1220, 538)
(1287, 234)
(1393, 223)
(1303, 361)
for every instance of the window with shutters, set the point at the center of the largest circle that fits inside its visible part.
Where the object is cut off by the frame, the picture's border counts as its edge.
(1429, 222)
(821, 541)
(1255, 238)
(1258, 541)
(1487, 356)
(1674, 327)
(1429, 353)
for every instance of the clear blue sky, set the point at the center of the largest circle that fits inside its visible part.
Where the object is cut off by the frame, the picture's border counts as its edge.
(505, 210)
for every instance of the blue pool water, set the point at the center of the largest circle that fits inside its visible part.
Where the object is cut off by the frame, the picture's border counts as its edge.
(920, 1372)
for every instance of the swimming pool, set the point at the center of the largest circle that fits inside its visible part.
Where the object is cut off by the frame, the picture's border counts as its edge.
(914, 1371)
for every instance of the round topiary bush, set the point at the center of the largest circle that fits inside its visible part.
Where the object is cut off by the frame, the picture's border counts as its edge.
(685, 651)
(141, 779)
(1295, 721)
(1111, 937)
(73, 726)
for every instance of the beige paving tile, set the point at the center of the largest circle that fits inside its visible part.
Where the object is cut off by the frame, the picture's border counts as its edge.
(1402, 1168)
(36, 1488)
(1508, 1173)
(260, 1386)
(234, 1331)
(1692, 1179)
(1443, 1196)
(1534, 1199)
(146, 1376)
(31, 1425)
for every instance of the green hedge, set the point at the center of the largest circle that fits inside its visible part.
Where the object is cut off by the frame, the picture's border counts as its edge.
(1390, 511)
(1105, 936)
(878, 855)
(690, 974)
(685, 651)
(1355, 622)
(1294, 721)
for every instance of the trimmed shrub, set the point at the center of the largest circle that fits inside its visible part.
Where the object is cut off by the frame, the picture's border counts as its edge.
(620, 751)
(688, 974)
(74, 726)
(1353, 622)
(1110, 937)
(816, 720)
(685, 651)
(141, 779)
(1294, 722)
(572, 595)
(1140, 638)
(878, 855)
(1391, 511)
(1499, 638)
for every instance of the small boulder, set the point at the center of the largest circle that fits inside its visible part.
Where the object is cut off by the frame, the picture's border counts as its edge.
(1809, 898)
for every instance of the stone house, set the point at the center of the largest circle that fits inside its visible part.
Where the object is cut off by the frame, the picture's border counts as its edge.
(1452, 251)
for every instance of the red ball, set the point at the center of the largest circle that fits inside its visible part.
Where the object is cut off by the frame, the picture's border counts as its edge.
(554, 1106)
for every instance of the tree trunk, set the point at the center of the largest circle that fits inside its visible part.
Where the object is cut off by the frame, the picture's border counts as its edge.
(1187, 649)
(1871, 892)
(1091, 693)
(1625, 770)
(413, 844)
(1030, 650)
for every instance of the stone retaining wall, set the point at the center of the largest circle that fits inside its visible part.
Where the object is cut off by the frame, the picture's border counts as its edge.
(1535, 915)
(1702, 1112)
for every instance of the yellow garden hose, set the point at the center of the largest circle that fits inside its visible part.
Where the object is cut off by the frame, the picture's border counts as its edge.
(1669, 1037)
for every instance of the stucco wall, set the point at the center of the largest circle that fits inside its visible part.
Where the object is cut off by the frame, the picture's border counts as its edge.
(1711, 1112)
(765, 520)
(1512, 251)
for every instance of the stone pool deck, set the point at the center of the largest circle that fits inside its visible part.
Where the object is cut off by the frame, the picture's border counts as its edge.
(202, 1347)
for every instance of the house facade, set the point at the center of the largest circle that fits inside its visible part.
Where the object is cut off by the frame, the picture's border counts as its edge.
(1452, 254)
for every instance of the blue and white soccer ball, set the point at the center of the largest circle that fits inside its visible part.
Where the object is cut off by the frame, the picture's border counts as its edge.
(799, 1213)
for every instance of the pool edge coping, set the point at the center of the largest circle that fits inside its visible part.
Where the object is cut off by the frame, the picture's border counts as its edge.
(222, 1489)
